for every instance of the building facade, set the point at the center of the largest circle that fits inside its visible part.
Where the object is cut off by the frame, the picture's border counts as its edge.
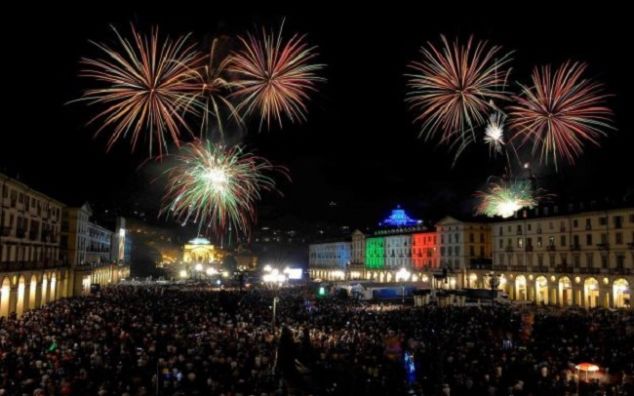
(75, 234)
(463, 244)
(34, 267)
(583, 259)
(424, 251)
(201, 251)
(358, 249)
(30, 224)
(333, 259)
(95, 253)
(375, 253)
(398, 251)
(31, 270)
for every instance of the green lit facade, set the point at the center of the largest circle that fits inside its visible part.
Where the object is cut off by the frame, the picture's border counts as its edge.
(375, 253)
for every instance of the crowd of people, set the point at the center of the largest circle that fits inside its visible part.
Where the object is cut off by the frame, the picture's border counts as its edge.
(181, 340)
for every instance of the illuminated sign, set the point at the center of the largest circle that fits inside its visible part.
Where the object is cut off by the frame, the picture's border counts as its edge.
(294, 273)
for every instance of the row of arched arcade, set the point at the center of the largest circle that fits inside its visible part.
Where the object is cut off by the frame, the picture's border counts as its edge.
(582, 290)
(20, 292)
(587, 291)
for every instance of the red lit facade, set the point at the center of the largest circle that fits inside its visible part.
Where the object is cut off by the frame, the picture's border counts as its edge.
(424, 250)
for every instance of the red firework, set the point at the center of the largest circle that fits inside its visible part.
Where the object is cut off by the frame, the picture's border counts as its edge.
(560, 112)
(275, 76)
(453, 88)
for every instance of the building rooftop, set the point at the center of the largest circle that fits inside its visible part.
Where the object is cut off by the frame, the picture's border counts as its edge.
(399, 218)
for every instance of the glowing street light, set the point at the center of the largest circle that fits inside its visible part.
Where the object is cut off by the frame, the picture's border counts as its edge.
(198, 267)
(403, 275)
(211, 271)
(267, 268)
(183, 274)
(274, 279)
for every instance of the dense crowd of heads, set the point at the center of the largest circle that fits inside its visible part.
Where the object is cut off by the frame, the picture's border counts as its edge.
(169, 340)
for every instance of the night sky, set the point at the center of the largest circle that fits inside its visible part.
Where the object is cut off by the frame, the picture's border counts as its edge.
(359, 148)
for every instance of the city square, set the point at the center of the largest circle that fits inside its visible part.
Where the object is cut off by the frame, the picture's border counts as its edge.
(263, 200)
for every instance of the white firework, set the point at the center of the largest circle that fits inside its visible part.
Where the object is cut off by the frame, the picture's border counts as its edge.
(494, 133)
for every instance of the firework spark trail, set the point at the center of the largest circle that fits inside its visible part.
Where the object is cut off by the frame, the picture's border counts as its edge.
(145, 88)
(217, 187)
(453, 89)
(213, 88)
(559, 112)
(275, 76)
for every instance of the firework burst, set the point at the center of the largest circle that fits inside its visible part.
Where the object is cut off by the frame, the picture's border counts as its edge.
(559, 112)
(217, 187)
(505, 198)
(145, 87)
(452, 88)
(494, 133)
(213, 89)
(275, 76)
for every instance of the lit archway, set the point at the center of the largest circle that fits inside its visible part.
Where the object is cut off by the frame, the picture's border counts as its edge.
(32, 291)
(565, 291)
(53, 287)
(388, 277)
(85, 284)
(541, 290)
(591, 292)
(473, 281)
(621, 293)
(503, 283)
(520, 288)
(5, 292)
(19, 306)
(44, 291)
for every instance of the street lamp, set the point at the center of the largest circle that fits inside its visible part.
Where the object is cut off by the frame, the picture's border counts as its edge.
(274, 279)
(402, 276)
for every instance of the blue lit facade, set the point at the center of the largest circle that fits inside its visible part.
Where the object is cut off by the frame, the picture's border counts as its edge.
(336, 255)
(399, 218)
